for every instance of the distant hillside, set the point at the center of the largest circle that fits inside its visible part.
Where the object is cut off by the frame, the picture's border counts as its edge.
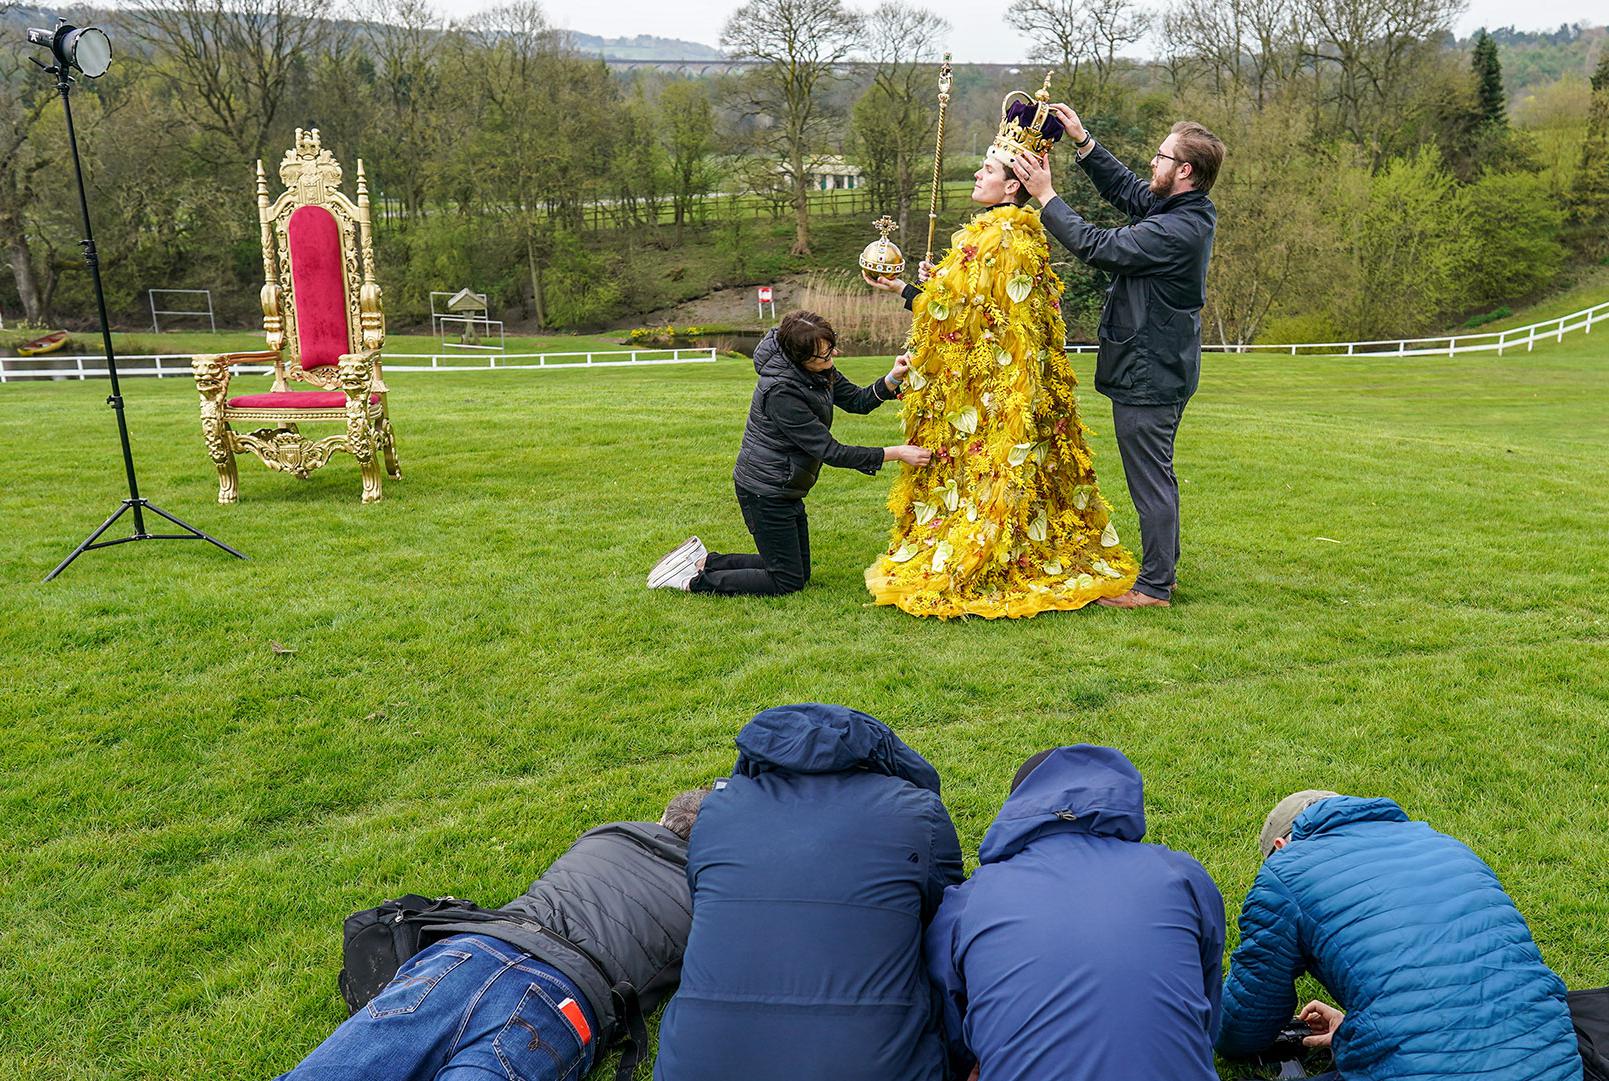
(642, 47)
(14, 19)
(1531, 58)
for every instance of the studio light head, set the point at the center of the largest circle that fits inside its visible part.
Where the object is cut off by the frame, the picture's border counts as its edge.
(88, 49)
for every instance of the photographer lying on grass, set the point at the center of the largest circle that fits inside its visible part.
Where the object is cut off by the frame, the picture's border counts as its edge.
(504, 997)
(1411, 933)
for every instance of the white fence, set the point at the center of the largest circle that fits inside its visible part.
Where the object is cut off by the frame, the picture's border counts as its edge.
(1446, 345)
(166, 364)
(174, 364)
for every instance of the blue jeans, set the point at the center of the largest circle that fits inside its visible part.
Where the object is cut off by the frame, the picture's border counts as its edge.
(469, 1008)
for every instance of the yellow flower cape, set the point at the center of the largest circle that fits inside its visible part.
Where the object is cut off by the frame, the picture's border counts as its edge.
(1007, 519)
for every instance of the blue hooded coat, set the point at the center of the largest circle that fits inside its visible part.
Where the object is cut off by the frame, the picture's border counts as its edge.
(1075, 953)
(1414, 936)
(814, 871)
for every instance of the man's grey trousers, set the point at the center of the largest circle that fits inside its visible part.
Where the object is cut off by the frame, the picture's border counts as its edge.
(1145, 440)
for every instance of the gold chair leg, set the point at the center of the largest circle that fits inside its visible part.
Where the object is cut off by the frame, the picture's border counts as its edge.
(220, 448)
(388, 443)
(228, 481)
(372, 473)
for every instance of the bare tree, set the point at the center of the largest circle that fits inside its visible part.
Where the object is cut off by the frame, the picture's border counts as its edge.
(1081, 36)
(509, 50)
(1062, 33)
(799, 44)
(1114, 26)
(1213, 35)
(231, 62)
(404, 41)
(1247, 48)
(903, 40)
(1370, 56)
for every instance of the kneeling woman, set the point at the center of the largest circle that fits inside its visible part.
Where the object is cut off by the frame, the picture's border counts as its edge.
(788, 437)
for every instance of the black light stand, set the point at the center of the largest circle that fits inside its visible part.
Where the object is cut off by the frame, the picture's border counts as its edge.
(90, 52)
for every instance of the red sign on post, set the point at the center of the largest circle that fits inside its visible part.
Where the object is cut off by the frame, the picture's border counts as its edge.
(765, 294)
(765, 298)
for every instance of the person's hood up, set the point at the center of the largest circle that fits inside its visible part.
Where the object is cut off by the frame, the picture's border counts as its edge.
(1338, 811)
(770, 360)
(816, 738)
(1082, 789)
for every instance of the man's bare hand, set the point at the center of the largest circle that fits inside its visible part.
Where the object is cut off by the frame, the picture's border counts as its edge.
(910, 455)
(901, 368)
(886, 285)
(1070, 121)
(1034, 172)
(1321, 1020)
(924, 271)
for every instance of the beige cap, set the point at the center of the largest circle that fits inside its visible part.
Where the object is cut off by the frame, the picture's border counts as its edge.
(1279, 820)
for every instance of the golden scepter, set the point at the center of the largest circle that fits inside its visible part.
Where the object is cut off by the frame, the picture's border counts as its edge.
(938, 155)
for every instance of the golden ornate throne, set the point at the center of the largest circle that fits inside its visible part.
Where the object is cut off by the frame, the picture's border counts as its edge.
(324, 327)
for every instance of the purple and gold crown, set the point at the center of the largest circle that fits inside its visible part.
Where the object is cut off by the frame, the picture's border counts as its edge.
(1027, 126)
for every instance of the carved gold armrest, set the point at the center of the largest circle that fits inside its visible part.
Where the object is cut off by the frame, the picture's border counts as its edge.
(212, 370)
(358, 373)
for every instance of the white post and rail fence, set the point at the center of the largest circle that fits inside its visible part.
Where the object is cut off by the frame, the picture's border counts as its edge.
(178, 365)
(175, 364)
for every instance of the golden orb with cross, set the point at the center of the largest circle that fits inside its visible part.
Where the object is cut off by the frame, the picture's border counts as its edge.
(882, 257)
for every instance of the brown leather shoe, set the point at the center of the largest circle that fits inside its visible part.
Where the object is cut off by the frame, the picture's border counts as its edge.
(1134, 599)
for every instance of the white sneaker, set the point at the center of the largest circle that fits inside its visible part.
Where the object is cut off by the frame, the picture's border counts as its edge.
(678, 569)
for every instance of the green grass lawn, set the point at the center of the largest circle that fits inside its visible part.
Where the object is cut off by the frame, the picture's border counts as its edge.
(1394, 583)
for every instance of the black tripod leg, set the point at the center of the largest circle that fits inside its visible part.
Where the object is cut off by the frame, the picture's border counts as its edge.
(150, 506)
(82, 548)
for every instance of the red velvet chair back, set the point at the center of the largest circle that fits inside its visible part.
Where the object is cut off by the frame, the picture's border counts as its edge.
(318, 286)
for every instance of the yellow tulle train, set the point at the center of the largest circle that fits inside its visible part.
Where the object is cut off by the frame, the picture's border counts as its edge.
(1007, 519)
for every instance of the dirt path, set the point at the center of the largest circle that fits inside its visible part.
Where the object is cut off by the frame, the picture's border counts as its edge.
(727, 307)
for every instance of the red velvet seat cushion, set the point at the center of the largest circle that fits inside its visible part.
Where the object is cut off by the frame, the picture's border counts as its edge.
(318, 286)
(294, 399)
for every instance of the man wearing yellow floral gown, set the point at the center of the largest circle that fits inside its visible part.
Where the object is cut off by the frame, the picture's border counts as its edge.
(1007, 519)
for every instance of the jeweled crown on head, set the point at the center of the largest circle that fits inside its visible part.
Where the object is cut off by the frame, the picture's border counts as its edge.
(1027, 126)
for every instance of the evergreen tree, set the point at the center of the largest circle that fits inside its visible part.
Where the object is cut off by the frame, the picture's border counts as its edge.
(1589, 197)
(1489, 81)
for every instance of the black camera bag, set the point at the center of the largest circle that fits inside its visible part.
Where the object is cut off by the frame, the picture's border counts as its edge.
(378, 941)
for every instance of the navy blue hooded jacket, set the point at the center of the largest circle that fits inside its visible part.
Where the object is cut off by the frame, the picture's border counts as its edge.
(1075, 953)
(814, 871)
(1414, 936)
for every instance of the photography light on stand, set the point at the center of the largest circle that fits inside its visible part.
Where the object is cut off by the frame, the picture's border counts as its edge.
(89, 50)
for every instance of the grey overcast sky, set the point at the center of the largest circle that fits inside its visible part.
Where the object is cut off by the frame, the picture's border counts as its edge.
(972, 39)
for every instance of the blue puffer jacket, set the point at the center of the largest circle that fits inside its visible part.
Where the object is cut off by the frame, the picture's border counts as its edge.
(814, 871)
(1415, 938)
(1075, 953)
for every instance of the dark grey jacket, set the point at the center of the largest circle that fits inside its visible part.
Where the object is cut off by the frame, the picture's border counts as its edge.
(1150, 332)
(789, 433)
(621, 894)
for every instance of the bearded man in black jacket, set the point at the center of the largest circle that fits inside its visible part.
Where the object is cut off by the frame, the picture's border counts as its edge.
(1150, 334)
(591, 947)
